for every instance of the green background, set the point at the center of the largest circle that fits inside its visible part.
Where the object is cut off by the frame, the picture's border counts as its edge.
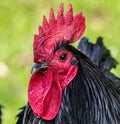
(19, 21)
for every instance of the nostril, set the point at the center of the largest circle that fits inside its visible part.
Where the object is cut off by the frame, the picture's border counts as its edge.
(41, 66)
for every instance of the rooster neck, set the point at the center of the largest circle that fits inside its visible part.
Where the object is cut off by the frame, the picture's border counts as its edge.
(90, 98)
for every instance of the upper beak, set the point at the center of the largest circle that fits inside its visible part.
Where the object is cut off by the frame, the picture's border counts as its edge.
(39, 67)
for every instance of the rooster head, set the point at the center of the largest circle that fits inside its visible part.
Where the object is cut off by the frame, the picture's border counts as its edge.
(55, 67)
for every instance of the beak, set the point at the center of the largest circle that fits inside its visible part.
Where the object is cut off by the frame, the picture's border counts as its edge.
(39, 67)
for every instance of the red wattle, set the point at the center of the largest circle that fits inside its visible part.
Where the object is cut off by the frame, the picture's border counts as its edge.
(44, 94)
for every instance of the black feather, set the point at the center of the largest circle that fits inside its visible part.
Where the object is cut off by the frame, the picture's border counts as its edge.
(20, 115)
(91, 98)
(100, 56)
(97, 98)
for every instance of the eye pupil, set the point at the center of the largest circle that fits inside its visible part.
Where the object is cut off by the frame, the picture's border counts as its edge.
(63, 56)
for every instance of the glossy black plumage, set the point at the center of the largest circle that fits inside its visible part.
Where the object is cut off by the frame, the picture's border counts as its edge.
(20, 115)
(100, 56)
(91, 98)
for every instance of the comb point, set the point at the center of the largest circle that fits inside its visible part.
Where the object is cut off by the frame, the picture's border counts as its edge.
(45, 25)
(60, 16)
(69, 15)
(52, 20)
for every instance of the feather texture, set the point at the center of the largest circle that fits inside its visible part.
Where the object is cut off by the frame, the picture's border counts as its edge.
(100, 56)
(91, 98)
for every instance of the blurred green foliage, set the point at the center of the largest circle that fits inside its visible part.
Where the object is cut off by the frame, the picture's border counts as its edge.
(19, 20)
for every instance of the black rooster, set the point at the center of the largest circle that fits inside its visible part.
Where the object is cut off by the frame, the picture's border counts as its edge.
(66, 87)
(88, 90)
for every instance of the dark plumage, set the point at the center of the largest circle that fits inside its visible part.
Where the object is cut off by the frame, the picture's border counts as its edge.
(1, 114)
(20, 115)
(92, 97)
(100, 56)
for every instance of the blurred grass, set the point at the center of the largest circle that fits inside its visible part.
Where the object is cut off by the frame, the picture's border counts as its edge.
(19, 20)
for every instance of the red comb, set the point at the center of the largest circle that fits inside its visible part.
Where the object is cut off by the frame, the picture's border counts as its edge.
(65, 28)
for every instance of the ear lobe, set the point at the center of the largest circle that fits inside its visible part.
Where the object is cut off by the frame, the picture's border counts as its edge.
(70, 76)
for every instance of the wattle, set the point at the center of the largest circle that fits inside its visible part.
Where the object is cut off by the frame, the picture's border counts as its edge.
(44, 94)
(45, 91)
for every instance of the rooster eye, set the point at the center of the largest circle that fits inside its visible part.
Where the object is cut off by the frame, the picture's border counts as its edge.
(63, 56)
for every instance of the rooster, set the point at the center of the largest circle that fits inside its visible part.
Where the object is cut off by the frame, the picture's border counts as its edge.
(66, 87)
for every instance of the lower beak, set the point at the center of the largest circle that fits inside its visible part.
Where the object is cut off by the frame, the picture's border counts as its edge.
(39, 67)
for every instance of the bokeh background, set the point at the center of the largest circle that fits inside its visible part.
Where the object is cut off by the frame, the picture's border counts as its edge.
(19, 20)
